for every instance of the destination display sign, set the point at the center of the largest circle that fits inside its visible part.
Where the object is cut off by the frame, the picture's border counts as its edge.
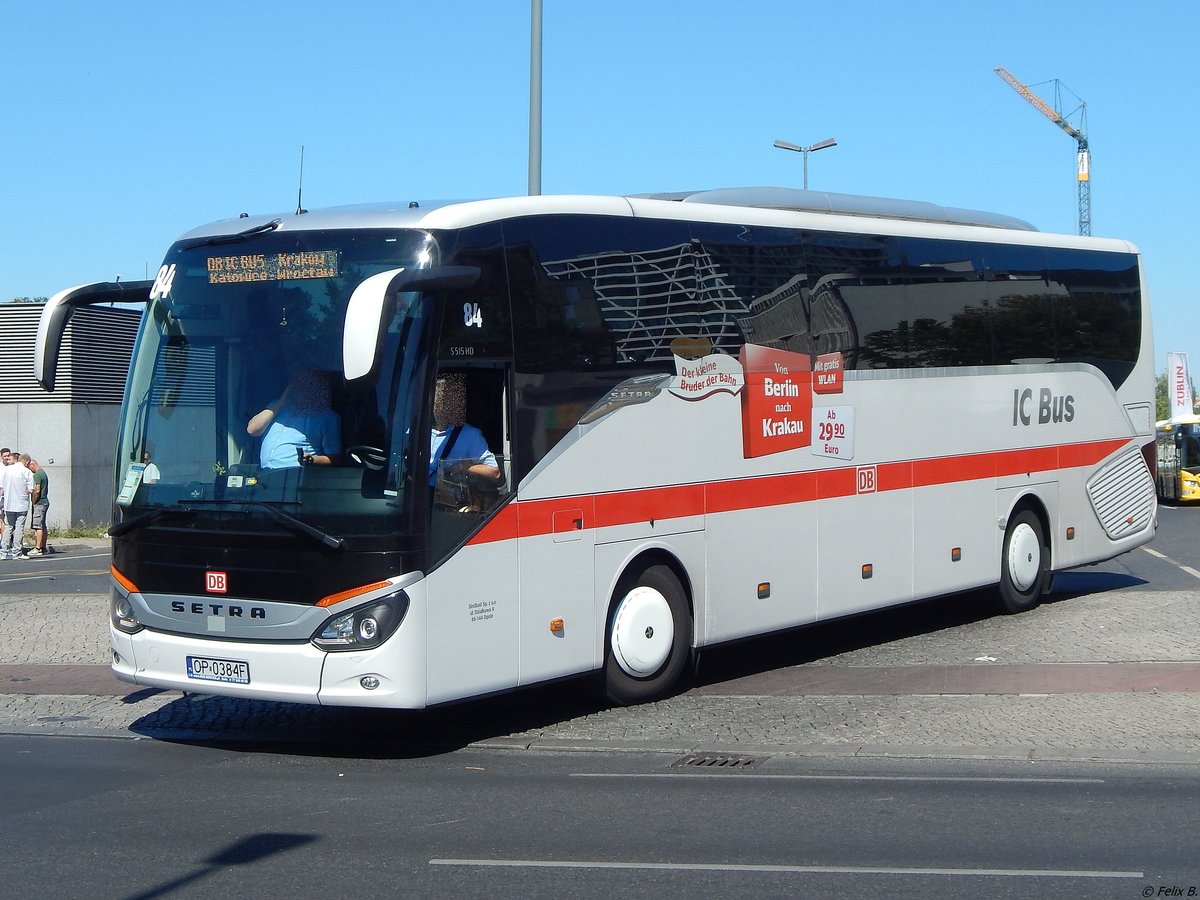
(250, 267)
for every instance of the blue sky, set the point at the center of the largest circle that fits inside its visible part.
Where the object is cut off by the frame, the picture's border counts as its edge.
(128, 123)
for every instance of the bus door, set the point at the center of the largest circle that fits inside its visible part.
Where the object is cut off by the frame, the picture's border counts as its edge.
(472, 583)
(472, 598)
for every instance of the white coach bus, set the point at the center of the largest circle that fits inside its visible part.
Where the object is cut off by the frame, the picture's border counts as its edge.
(717, 415)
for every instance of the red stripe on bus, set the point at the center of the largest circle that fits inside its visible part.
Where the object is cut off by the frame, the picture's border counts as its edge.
(753, 493)
(531, 518)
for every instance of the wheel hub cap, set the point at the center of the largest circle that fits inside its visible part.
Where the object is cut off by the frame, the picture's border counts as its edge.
(1024, 557)
(643, 632)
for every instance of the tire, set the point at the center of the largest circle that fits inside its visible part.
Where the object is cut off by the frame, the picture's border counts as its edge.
(1024, 563)
(649, 637)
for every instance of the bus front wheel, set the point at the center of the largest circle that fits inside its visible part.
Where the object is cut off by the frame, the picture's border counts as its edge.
(649, 634)
(1024, 563)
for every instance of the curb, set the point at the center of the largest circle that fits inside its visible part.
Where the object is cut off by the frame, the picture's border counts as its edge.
(1022, 754)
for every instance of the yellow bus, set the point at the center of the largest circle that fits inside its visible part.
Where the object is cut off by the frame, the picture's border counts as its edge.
(1179, 459)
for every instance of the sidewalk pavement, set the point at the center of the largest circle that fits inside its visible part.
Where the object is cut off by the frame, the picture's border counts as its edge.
(1107, 676)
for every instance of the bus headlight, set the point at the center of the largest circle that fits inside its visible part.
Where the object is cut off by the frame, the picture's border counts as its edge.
(121, 614)
(363, 628)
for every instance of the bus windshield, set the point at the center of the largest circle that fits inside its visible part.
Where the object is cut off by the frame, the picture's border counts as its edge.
(238, 417)
(1189, 446)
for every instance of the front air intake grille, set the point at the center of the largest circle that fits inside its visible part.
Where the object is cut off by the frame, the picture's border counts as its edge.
(1122, 495)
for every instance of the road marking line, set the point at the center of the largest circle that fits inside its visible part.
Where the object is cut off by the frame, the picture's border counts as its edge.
(1194, 573)
(762, 868)
(742, 775)
(56, 573)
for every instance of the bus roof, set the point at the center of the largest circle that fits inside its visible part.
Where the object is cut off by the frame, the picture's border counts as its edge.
(848, 205)
(764, 206)
(1168, 424)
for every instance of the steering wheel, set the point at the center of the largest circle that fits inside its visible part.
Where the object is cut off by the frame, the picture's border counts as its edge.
(368, 457)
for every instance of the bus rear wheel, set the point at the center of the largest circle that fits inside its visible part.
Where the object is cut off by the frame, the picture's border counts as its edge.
(1024, 563)
(649, 635)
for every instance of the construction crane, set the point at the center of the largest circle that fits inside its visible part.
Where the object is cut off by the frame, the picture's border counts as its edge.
(1083, 156)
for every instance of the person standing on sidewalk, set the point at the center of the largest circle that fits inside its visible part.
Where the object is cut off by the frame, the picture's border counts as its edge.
(5, 459)
(41, 505)
(18, 485)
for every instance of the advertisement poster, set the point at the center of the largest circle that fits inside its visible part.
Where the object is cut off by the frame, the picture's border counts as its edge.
(776, 401)
(699, 378)
(827, 373)
(834, 430)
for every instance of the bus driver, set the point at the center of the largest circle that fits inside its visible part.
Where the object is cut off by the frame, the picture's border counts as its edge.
(452, 438)
(300, 427)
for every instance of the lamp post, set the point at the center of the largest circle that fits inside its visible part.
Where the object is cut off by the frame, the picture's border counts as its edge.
(819, 145)
(535, 97)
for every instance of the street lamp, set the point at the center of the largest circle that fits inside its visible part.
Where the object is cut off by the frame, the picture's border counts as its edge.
(535, 97)
(819, 145)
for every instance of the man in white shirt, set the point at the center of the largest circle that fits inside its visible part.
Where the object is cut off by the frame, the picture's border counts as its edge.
(17, 482)
(5, 458)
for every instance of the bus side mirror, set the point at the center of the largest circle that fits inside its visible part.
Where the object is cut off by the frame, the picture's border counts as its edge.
(57, 313)
(373, 304)
(1178, 437)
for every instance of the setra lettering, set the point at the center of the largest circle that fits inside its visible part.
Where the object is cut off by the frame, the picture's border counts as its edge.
(217, 609)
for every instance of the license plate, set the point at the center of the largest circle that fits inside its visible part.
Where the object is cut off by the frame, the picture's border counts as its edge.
(205, 668)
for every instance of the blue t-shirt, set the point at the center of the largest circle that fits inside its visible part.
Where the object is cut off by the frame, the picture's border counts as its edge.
(314, 433)
(470, 444)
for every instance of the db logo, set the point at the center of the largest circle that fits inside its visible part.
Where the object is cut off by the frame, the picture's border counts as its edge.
(867, 482)
(216, 582)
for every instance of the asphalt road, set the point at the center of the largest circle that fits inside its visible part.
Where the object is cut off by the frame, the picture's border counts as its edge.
(79, 567)
(152, 819)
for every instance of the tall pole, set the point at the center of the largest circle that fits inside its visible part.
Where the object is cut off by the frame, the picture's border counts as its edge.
(535, 97)
(804, 151)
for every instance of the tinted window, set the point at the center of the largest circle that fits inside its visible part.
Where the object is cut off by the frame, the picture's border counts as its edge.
(475, 322)
(595, 300)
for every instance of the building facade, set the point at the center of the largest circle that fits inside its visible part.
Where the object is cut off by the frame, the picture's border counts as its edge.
(71, 432)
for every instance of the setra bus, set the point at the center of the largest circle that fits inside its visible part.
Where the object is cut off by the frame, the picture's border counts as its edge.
(716, 415)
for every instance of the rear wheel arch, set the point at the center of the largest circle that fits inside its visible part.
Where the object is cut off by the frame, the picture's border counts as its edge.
(1026, 556)
(648, 630)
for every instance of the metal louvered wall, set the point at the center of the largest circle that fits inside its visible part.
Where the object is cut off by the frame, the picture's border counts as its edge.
(18, 327)
(92, 364)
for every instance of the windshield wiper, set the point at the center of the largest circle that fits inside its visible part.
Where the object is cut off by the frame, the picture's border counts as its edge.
(133, 522)
(287, 520)
(301, 527)
(234, 238)
(190, 505)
